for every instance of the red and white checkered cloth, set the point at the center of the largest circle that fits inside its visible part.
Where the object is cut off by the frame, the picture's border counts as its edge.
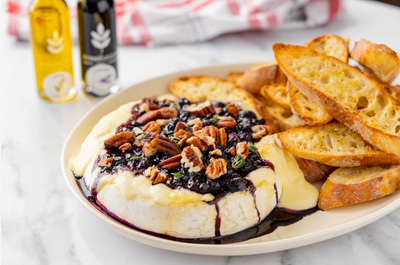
(160, 22)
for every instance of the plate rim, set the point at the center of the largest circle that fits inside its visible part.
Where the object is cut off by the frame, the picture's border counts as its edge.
(241, 248)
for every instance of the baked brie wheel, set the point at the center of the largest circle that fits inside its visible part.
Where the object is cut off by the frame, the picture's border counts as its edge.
(188, 169)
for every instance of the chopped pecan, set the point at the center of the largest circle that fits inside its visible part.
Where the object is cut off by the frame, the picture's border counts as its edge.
(164, 144)
(242, 149)
(152, 127)
(201, 109)
(164, 113)
(232, 109)
(120, 138)
(144, 138)
(172, 162)
(232, 151)
(191, 158)
(216, 168)
(195, 141)
(216, 152)
(144, 107)
(155, 175)
(222, 137)
(207, 140)
(196, 123)
(149, 100)
(182, 126)
(162, 122)
(227, 123)
(106, 162)
(125, 147)
(261, 130)
(183, 136)
(149, 149)
(218, 110)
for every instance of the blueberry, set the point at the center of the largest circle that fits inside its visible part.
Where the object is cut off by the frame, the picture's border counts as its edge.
(184, 101)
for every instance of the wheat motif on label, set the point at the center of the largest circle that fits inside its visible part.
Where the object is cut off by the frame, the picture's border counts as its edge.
(101, 37)
(55, 45)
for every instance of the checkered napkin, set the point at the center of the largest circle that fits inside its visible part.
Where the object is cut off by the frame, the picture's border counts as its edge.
(161, 22)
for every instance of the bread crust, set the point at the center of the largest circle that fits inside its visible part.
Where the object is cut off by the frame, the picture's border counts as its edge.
(347, 186)
(348, 115)
(277, 94)
(304, 108)
(330, 45)
(379, 58)
(260, 75)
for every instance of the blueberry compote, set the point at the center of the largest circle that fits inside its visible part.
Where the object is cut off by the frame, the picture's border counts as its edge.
(243, 127)
(234, 180)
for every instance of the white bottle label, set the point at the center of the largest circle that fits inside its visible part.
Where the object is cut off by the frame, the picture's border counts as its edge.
(57, 85)
(100, 78)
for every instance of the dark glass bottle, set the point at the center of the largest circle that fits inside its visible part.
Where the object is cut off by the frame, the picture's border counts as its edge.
(98, 46)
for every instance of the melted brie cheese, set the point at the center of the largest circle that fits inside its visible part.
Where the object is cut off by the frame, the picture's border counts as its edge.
(297, 193)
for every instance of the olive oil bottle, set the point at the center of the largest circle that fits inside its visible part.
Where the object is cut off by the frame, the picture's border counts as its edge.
(52, 49)
(98, 46)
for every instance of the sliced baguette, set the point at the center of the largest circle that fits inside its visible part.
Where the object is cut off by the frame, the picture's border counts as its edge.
(334, 144)
(277, 94)
(330, 45)
(312, 170)
(234, 77)
(260, 75)
(347, 94)
(379, 58)
(284, 119)
(200, 88)
(304, 108)
(347, 186)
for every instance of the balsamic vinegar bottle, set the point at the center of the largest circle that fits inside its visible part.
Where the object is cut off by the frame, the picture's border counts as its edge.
(98, 46)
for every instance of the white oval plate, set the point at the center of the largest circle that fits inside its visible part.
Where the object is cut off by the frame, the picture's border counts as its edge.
(314, 228)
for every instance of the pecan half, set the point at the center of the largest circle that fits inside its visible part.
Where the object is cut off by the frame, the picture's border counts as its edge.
(226, 123)
(125, 147)
(106, 162)
(120, 138)
(232, 109)
(242, 149)
(222, 137)
(191, 158)
(164, 113)
(261, 130)
(149, 149)
(201, 109)
(172, 162)
(152, 127)
(207, 140)
(216, 168)
(211, 131)
(195, 141)
(164, 144)
(183, 136)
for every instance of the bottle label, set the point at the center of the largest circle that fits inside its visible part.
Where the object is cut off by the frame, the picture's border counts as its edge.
(57, 85)
(100, 78)
(100, 39)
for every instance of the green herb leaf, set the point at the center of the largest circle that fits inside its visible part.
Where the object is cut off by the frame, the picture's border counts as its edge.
(238, 162)
(216, 118)
(135, 173)
(174, 138)
(136, 158)
(252, 148)
(145, 135)
(153, 103)
(177, 175)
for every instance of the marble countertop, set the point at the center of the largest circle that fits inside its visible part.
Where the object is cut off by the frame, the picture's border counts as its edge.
(42, 223)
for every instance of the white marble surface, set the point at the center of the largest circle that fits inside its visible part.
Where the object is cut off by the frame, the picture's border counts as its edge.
(42, 223)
